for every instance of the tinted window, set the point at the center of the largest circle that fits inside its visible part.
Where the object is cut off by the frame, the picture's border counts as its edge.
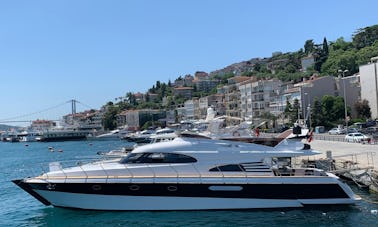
(227, 168)
(157, 158)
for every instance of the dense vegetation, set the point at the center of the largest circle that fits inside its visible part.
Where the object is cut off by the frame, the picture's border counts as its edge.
(330, 57)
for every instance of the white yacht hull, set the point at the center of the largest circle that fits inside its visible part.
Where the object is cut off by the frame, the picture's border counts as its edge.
(114, 202)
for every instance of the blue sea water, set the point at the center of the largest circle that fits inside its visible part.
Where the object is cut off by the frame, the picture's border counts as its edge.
(17, 208)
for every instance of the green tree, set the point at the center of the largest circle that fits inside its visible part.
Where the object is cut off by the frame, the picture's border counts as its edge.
(363, 109)
(109, 120)
(292, 111)
(340, 44)
(296, 111)
(321, 55)
(365, 37)
(309, 46)
(147, 97)
(131, 98)
(157, 85)
(340, 60)
(257, 67)
(288, 109)
(365, 54)
(333, 109)
(317, 114)
(325, 47)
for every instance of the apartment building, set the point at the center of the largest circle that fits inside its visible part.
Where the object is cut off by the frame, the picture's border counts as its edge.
(256, 95)
(352, 90)
(369, 85)
(216, 101)
(135, 119)
(232, 96)
(191, 109)
(305, 92)
(185, 92)
(203, 82)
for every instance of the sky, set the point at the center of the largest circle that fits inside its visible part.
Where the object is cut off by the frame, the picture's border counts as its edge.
(95, 51)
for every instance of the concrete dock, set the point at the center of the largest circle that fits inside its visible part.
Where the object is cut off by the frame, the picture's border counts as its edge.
(366, 155)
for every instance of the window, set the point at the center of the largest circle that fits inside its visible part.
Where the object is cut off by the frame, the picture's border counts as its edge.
(157, 158)
(227, 168)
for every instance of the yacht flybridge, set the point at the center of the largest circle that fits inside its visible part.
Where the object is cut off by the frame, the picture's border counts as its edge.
(192, 174)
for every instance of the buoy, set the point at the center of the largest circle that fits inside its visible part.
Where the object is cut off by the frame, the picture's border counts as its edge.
(26, 145)
(90, 144)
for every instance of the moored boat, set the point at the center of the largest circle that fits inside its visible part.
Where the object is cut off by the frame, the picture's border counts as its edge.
(192, 174)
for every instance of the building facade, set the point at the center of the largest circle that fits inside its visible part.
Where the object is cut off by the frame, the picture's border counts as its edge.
(185, 92)
(135, 119)
(369, 85)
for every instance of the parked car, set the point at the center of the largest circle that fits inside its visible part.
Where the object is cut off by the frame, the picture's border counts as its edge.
(336, 131)
(356, 137)
(352, 130)
(371, 130)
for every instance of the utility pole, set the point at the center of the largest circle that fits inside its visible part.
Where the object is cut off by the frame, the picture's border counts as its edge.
(345, 103)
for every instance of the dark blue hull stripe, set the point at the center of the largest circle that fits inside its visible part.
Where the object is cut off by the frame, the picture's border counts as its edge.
(250, 191)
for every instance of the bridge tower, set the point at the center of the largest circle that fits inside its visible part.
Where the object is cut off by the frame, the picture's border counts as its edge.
(73, 106)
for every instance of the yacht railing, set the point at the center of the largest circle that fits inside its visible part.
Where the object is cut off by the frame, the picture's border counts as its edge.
(170, 173)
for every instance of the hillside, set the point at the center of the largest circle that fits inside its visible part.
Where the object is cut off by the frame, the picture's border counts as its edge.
(7, 127)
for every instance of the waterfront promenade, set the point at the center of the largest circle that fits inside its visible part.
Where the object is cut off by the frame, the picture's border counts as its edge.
(366, 155)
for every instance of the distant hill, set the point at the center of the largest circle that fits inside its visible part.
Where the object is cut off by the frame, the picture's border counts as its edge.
(7, 127)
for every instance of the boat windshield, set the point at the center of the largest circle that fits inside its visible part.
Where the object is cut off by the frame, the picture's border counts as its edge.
(157, 158)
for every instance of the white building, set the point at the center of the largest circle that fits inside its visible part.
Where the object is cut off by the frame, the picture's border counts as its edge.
(191, 109)
(369, 85)
(256, 96)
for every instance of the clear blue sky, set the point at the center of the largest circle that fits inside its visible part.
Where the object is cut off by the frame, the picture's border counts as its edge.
(95, 51)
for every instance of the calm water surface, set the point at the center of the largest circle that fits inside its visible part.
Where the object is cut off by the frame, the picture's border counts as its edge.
(17, 208)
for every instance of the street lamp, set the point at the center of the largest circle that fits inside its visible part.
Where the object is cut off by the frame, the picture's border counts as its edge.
(304, 108)
(345, 105)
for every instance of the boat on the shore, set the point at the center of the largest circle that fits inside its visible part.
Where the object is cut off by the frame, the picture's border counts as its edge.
(192, 174)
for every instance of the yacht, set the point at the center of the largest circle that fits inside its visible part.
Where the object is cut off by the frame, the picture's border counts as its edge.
(165, 137)
(116, 134)
(192, 174)
(142, 137)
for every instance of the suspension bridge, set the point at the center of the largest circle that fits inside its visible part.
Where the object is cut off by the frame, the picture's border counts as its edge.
(28, 118)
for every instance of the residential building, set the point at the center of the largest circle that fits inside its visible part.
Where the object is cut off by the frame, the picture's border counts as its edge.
(307, 62)
(121, 118)
(42, 124)
(232, 96)
(86, 120)
(185, 92)
(305, 92)
(191, 109)
(256, 96)
(352, 91)
(203, 82)
(185, 81)
(135, 119)
(369, 85)
(139, 97)
(216, 101)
